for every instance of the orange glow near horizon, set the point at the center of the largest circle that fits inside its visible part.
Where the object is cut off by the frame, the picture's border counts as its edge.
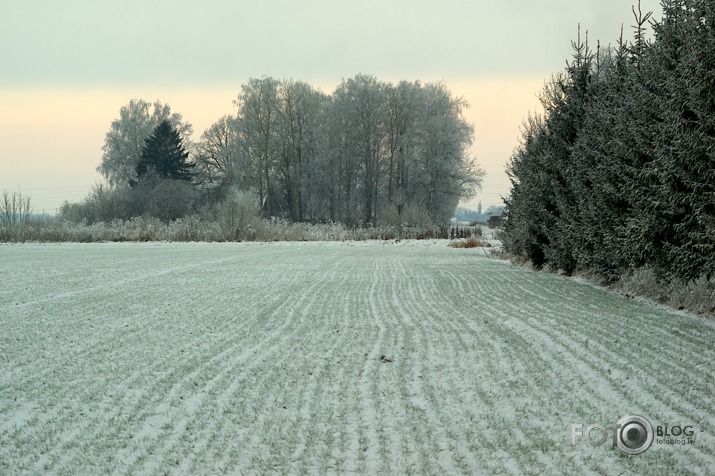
(51, 139)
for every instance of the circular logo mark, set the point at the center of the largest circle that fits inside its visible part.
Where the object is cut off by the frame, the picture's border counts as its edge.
(634, 434)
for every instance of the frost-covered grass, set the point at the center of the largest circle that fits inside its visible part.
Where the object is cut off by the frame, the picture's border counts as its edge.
(471, 242)
(194, 228)
(697, 295)
(354, 357)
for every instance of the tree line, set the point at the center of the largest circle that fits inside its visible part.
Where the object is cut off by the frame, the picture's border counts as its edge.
(619, 172)
(371, 153)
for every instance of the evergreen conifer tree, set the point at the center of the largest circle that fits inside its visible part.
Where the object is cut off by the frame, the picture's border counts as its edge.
(164, 154)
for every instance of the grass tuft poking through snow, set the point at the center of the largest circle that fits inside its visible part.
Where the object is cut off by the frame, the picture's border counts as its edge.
(471, 242)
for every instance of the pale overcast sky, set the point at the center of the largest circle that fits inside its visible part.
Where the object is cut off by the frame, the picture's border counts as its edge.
(67, 67)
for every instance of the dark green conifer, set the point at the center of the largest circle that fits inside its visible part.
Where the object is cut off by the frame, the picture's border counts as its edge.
(164, 154)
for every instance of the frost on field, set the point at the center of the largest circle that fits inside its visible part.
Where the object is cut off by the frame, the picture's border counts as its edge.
(331, 357)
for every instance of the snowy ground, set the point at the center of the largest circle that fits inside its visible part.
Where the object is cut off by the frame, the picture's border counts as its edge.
(333, 358)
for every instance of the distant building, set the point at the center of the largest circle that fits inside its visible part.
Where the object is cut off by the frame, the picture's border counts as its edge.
(495, 221)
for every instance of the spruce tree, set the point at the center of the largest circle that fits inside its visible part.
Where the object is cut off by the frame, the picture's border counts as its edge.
(164, 154)
(683, 171)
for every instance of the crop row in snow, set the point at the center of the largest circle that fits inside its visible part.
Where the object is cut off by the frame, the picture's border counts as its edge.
(354, 357)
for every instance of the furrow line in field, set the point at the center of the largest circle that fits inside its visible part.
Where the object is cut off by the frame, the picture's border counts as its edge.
(584, 303)
(419, 415)
(262, 389)
(335, 358)
(410, 370)
(508, 371)
(598, 326)
(264, 354)
(400, 444)
(77, 335)
(93, 290)
(584, 341)
(446, 336)
(314, 426)
(468, 360)
(640, 349)
(518, 372)
(647, 359)
(623, 396)
(79, 406)
(369, 382)
(348, 456)
(659, 401)
(131, 402)
(599, 362)
(430, 339)
(420, 412)
(567, 319)
(515, 364)
(624, 318)
(149, 392)
(649, 354)
(299, 433)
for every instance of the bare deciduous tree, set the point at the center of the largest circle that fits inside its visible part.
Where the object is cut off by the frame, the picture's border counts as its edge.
(15, 208)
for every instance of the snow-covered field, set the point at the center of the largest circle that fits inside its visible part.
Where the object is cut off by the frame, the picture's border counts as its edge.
(373, 357)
